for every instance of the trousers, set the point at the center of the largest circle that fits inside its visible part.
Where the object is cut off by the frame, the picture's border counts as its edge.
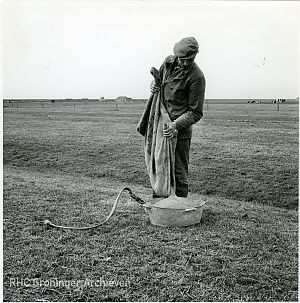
(182, 153)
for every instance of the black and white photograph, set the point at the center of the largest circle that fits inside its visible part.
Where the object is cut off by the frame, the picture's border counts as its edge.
(150, 150)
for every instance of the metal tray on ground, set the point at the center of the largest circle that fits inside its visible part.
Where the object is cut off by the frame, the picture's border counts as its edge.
(175, 211)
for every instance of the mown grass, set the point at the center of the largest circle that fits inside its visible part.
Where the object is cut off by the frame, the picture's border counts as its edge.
(240, 151)
(68, 164)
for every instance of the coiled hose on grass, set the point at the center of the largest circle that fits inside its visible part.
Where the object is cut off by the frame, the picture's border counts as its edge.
(135, 197)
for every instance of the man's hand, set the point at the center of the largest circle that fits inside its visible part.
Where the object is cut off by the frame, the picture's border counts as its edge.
(170, 130)
(154, 87)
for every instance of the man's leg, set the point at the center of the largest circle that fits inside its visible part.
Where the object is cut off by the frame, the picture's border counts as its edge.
(155, 195)
(181, 167)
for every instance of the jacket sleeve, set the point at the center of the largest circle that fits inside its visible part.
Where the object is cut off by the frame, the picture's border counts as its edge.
(196, 92)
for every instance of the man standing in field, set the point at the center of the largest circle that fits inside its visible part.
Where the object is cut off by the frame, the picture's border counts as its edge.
(181, 89)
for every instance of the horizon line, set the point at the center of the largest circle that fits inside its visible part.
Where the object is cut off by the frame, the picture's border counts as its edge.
(103, 99)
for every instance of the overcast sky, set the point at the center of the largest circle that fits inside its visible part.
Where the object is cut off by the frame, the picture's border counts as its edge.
(76, 49)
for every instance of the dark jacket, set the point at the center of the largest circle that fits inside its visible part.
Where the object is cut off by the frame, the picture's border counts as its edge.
(183, 95)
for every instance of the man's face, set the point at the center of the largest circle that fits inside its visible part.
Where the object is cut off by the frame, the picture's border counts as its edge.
(185, 63)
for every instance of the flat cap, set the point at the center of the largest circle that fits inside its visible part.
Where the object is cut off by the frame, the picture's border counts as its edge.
(186, 48)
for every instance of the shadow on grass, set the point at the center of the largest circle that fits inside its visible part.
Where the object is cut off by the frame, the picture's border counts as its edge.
(210, 217)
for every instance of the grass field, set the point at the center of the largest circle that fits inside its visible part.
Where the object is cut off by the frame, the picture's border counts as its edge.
(67, 163)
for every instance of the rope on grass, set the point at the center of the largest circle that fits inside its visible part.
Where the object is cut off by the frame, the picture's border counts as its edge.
(135, 197)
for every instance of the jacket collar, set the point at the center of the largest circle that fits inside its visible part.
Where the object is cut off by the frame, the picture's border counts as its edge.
(179, 74)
